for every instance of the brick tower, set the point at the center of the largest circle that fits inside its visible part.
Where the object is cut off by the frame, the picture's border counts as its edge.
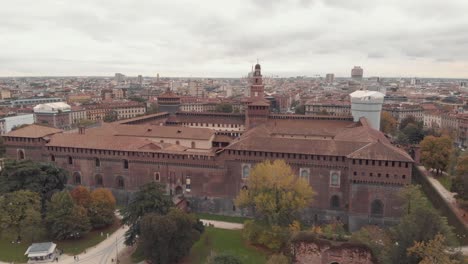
(257, 87)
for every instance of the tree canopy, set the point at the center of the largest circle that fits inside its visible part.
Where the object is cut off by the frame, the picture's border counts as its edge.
(224, 108)
(275, 194)
(20, 215)
(388, 123)
(101, 210)
(42, 178)
(432, 251)
(168, 238)
(151, 198)
(64, 218)
(435, 152)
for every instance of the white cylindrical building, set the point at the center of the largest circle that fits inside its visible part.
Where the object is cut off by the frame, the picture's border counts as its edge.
(367, 104)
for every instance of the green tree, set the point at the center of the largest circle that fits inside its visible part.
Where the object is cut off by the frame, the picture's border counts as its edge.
(2, 147)
(42, 178)
(435, 152)
(101, 210)
(275, 194)
(388, 123)
(21, 215)
(300, 110)
(64, 218)
(408, 120)
(151, 198)
(420, 222)
(224, 108)
(377, 239)
(110, 116)
(224, 258)
(168, 238)
(414, 133)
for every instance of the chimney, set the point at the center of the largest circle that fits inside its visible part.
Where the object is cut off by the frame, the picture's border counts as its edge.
(81, 130)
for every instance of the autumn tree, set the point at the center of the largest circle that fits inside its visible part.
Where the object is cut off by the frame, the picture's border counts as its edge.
(64, 218)
(435, 152)
(388, 123)
(408, 120)
(151, 198)
(81, 196)
(20, 215)
(168, 238)
(101, 210)
(300, 109)
(275, 194)
(434, 251)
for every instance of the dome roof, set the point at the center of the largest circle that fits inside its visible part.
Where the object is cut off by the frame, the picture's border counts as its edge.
(257, 66)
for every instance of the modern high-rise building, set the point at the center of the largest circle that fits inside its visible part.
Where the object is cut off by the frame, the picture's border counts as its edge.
(356, 73)
(119, 77)
(330, 78)
(140, 80)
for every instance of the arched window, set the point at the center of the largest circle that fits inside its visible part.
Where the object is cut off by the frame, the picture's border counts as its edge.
(245, 171)
(193, 144)
(334, 179)
(157, 176)
(305, 173)
(125, 164)
(77, 178)
(245, 187)
(335, 202)
(52, 157)
(97, 162)
(98, 179)
(377, 208)
(120, 182)
(70, 160)
(21, 155)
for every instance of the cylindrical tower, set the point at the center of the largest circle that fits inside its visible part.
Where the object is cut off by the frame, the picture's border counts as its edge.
(367, 104)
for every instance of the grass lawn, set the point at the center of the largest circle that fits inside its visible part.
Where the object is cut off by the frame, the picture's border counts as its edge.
(76, 246)
(445, 180)
(225, 241)
(13, 252)
(232, 219)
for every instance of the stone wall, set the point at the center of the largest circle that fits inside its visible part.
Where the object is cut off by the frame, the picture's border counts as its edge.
(325, 252)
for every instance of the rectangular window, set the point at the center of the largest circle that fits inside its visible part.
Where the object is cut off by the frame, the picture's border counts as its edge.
(335, 178)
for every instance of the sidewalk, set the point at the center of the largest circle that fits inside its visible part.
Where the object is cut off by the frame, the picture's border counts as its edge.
(222, 225)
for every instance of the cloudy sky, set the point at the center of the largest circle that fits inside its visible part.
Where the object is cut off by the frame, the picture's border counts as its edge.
(217, 38)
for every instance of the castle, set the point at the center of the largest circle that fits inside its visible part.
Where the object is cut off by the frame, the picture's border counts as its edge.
(207, 157)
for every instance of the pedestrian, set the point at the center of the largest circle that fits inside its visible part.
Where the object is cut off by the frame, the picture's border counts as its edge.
(112, 260)
(74, 257)
(102, 234)
(107, 235)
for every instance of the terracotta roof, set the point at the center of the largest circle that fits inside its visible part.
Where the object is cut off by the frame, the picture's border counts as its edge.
(91, 141)
(293, 145)
(33, 131)
(381, 151)
(209, 117)
(307, 127)
(151, 131)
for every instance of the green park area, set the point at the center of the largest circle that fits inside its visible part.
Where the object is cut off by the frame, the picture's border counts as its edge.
(223, 241)
(14, 252)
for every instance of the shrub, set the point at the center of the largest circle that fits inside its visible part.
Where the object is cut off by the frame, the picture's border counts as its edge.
(278, 259)
(224, 259)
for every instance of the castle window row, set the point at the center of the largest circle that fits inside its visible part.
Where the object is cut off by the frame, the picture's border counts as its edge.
(379, 175)
(18, 139)
(286, 155)
(131, 154)
(385, 163)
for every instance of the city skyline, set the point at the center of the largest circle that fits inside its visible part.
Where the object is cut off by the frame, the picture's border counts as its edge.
(222, 39)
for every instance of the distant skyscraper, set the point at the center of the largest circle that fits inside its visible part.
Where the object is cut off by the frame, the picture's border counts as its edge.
(140, 80)
(356, 73)
(330, 78)
(157, 77)
(119, 77)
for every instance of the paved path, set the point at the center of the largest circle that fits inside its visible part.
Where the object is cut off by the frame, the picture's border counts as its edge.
(223, 225)
(105, 251)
